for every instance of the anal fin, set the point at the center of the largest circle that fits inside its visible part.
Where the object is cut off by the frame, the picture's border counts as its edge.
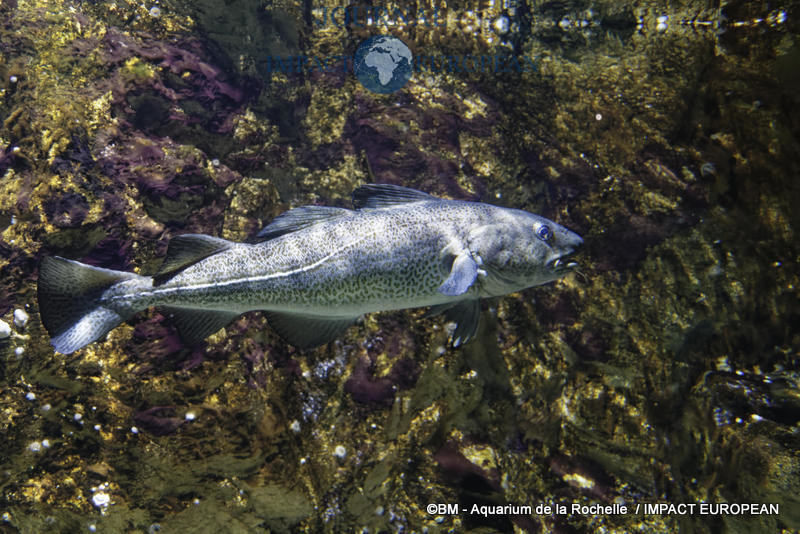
(307, 331)
(196, 325)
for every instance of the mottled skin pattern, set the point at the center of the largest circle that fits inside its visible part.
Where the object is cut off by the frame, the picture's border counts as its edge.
(368, 260)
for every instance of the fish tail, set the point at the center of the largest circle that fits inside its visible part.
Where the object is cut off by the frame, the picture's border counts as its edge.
(71, 302)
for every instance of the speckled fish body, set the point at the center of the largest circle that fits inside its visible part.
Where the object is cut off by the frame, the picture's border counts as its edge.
(320, 268)
(363, 261)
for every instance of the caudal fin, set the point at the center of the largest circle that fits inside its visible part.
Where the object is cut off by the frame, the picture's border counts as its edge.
(70, 302)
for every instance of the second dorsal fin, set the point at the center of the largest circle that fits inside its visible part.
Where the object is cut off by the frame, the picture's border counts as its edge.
(387, 195)
(188, 249)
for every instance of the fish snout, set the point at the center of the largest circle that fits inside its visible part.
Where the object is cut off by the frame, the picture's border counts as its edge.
(571, 245)
(573, 241)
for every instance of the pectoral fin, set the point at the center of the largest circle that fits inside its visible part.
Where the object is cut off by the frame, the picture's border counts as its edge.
(462, 275)
(466, 315)
(307, 331)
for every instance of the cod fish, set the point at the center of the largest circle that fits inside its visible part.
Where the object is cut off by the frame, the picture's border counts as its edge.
(317, 269)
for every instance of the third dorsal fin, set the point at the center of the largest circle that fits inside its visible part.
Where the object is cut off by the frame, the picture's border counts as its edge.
(188, 249)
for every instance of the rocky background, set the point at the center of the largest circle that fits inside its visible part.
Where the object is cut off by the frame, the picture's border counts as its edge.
(665, 133)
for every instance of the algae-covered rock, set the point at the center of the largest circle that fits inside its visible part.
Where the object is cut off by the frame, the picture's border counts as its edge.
(664, 371)
(280, 509)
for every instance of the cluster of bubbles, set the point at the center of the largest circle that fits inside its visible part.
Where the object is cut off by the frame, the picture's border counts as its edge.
(20, 321)
(507, 22)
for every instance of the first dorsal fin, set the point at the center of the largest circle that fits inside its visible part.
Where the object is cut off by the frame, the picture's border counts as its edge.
(185, 250)
(387, 195)
(298, 218)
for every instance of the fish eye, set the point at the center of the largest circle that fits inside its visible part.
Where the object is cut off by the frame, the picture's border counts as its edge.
(545, 233)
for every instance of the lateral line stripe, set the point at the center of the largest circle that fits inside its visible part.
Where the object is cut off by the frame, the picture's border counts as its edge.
(260, 278)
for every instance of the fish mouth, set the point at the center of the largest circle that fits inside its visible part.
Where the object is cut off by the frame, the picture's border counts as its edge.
(563, 264)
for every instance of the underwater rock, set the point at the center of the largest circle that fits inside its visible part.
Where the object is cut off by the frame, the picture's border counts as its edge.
(475, 486)
(67, 210)
(394, 151)
(207, 79)
(366, 389)
(158, 345)
(9, 158)
(590, 344)
(172, 182)
(150, 112)
(158, 420)
(665, 371)
(405, 373)
(77, 156)
(243, 34)
(257, 364)
(111, 253)
(461, 471)
(745, 396)
(584, 475)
